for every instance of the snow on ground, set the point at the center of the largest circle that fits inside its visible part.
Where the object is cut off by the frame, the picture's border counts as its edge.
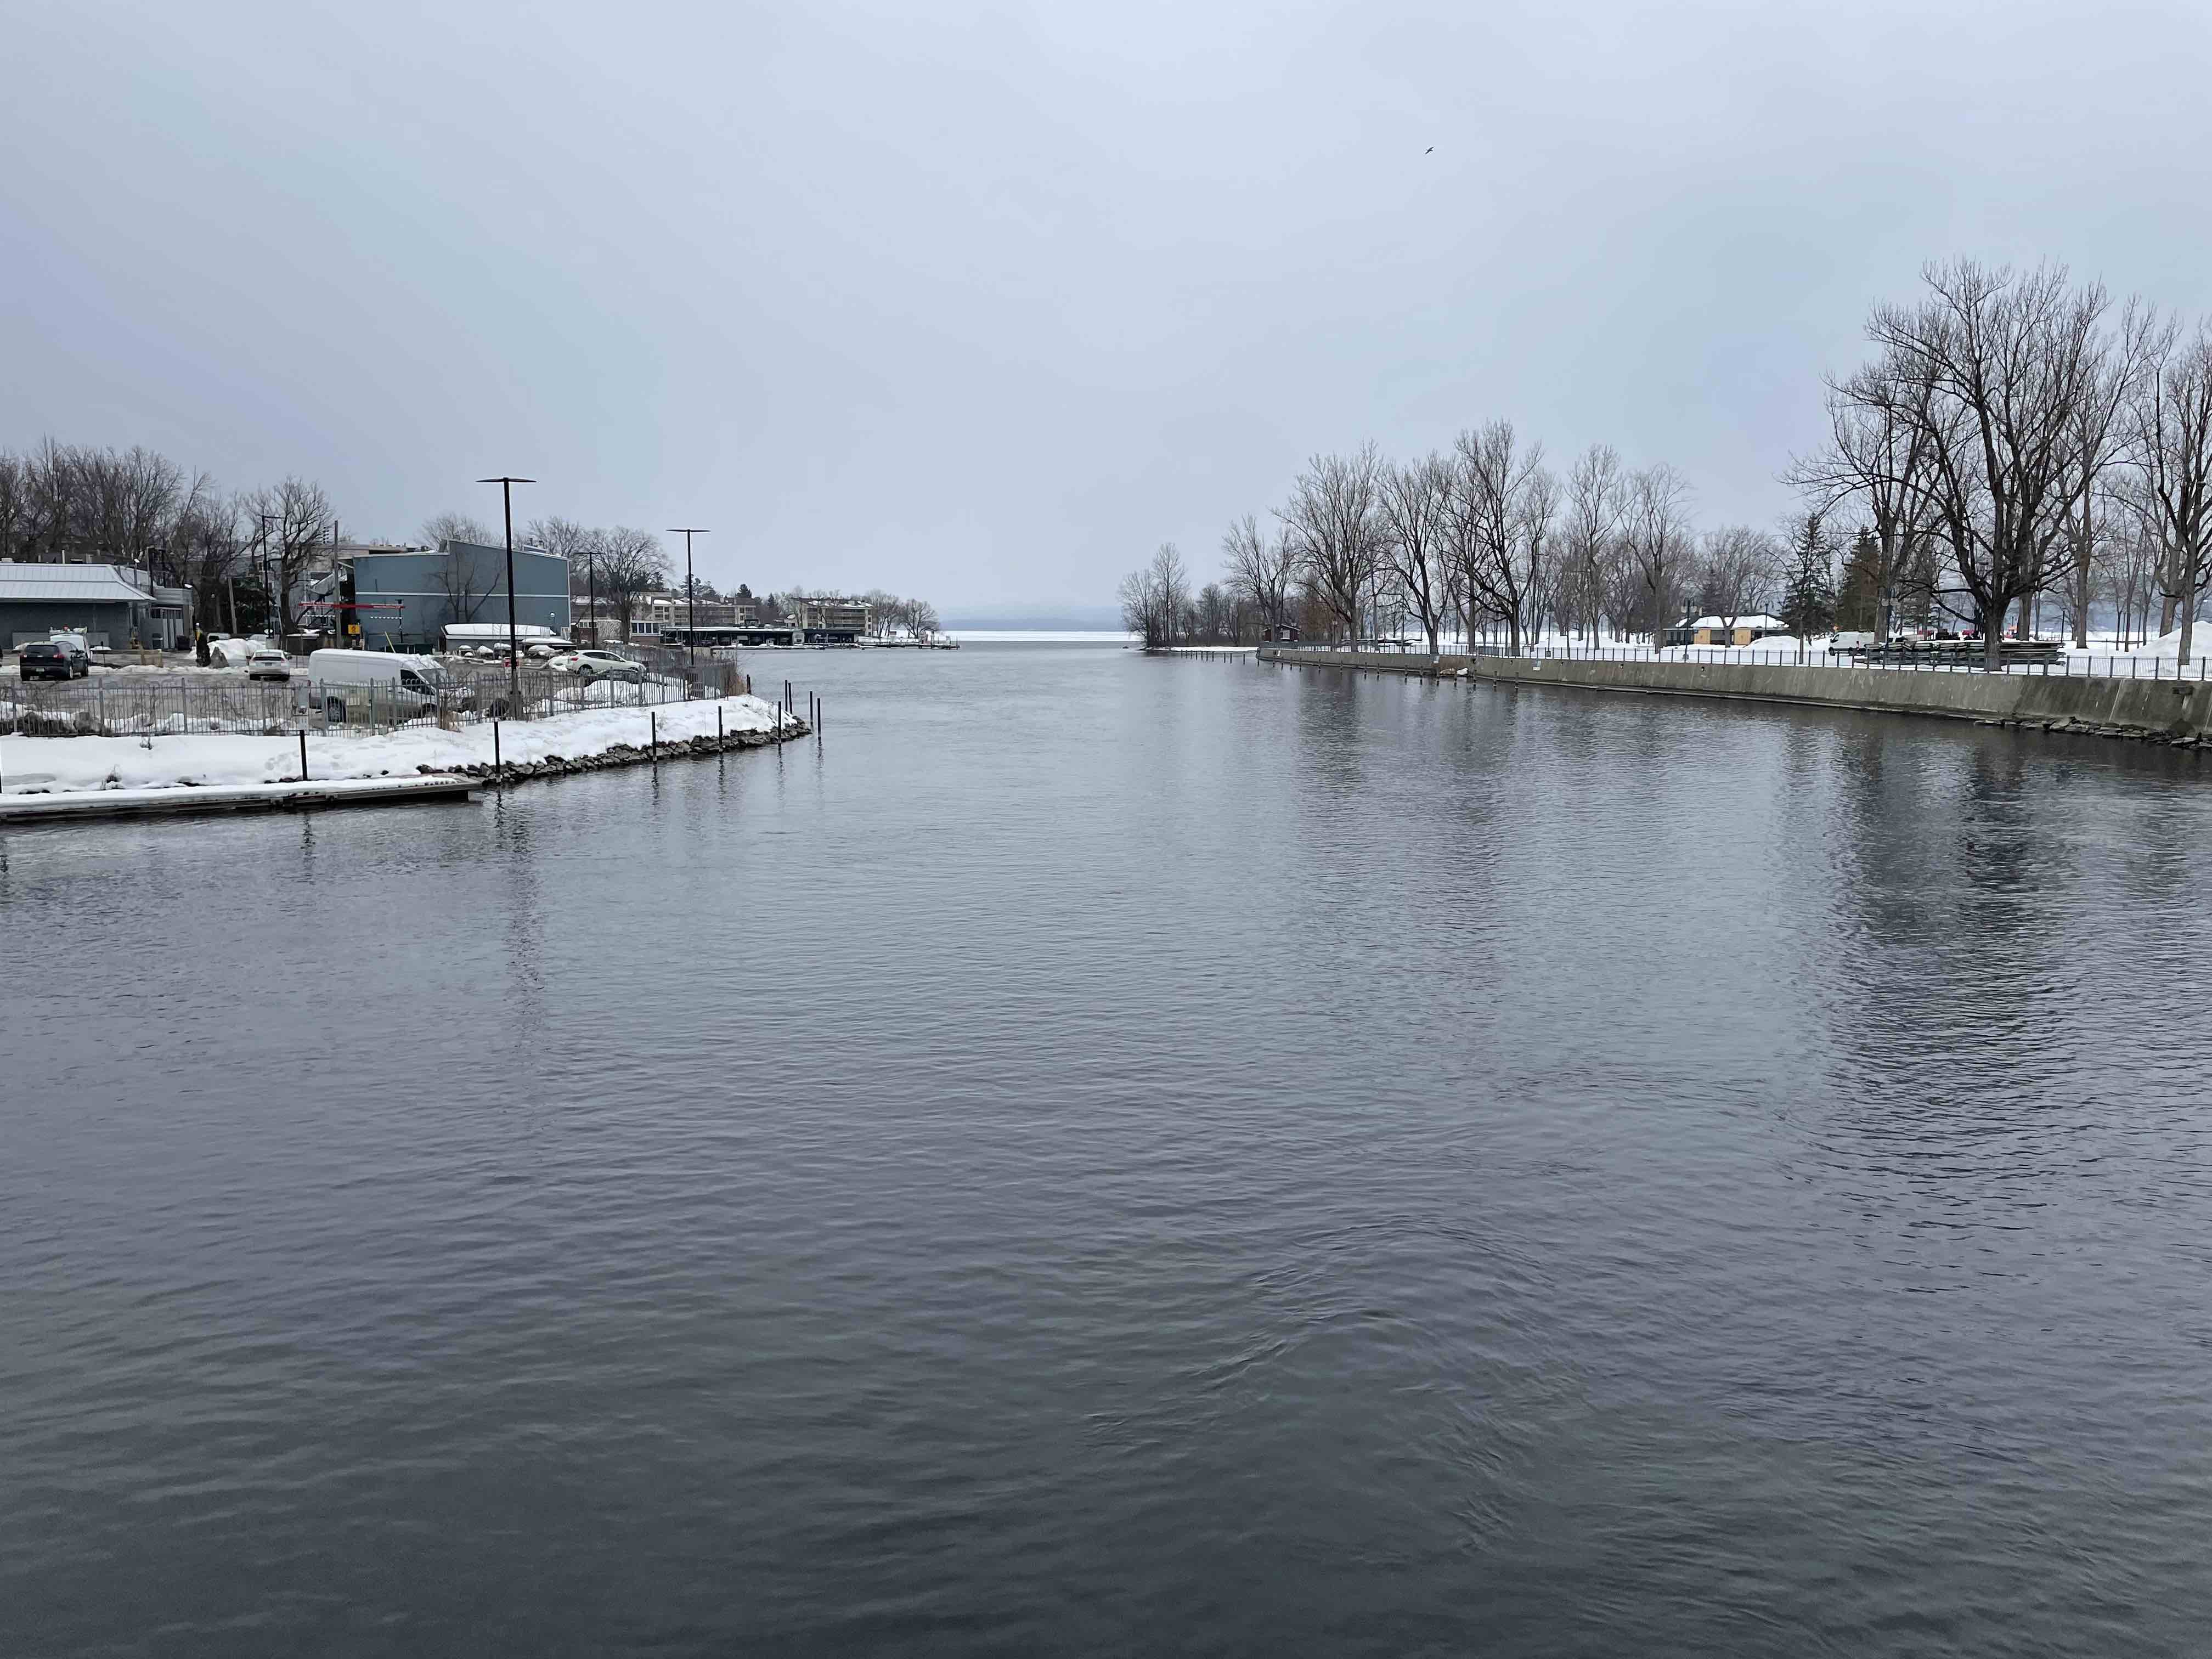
(64, 763)
(167, 666)
(64, 805)
(1775, 648)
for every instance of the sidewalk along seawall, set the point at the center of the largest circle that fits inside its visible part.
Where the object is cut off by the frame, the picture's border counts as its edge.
(2164, 711)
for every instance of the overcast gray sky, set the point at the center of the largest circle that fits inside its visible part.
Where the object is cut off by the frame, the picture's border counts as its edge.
(984, 302)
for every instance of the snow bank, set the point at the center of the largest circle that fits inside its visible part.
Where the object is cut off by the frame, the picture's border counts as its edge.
(1775, 647)
(64, 763)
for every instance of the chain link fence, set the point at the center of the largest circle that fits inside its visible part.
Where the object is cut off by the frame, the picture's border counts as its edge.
(138, 705)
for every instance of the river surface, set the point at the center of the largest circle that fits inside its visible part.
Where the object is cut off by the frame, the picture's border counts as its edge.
(1105, 1155)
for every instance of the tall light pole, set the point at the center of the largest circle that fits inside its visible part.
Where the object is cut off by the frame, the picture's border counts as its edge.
(691, 596)
(268, 580)
(514, 641)
(592, 584)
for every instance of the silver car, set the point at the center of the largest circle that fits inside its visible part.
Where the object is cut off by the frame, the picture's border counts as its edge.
(589, 664)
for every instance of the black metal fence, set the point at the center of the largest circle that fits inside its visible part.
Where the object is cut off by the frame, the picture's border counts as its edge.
(1942, 656)
(173, 705)
(1958, 657)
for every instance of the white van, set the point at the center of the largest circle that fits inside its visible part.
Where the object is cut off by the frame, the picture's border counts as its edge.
(375, 685)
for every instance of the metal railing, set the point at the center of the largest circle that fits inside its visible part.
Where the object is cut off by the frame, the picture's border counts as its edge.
(1945, 656)
(1950, 657)
(174, 706)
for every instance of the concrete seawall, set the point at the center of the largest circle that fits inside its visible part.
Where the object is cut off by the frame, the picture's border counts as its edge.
(2167, 711)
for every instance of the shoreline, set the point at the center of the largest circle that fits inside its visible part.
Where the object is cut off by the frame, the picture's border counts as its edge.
(2176, 714)
(50, 769)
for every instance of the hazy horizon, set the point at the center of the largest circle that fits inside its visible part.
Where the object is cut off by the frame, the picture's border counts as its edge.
(985, 306)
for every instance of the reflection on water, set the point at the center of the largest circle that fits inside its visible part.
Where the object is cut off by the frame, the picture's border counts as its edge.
(1108, 1154)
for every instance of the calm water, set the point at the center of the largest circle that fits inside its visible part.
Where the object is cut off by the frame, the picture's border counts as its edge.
(1122, 1156)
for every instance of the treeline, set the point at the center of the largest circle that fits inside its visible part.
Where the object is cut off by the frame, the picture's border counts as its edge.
(2018, 450)
(889, 616)
(136, 508)
(252, 555)
(1159, 604)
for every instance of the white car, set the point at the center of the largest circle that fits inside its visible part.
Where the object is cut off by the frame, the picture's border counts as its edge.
(591, 665)
(268, 665)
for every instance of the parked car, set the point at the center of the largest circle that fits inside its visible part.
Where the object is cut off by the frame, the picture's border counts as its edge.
(268, 665)
(55, 660)
(354, 684)
(591, 665)
(231, 651)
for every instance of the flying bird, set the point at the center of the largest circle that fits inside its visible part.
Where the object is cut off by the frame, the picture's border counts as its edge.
(1430, 150)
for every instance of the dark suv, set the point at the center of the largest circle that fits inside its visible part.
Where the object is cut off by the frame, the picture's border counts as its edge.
(57, 661)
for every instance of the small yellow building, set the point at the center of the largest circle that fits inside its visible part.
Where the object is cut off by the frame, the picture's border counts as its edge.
(1741, 631)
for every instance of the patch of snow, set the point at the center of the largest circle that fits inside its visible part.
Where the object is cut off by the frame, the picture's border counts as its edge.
(70, 763)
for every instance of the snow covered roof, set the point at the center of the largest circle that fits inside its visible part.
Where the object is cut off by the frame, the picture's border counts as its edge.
(1759, 621)
(78, 584)
(497, 630)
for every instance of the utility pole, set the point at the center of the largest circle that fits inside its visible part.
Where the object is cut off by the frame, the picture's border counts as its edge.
(691, 596)
(513, 641)
(268, 581)
(592, 584)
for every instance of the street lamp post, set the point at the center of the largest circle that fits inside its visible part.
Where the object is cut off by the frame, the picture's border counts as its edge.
(268, 576)
(690, 597)
(592, 584)
(513, 640)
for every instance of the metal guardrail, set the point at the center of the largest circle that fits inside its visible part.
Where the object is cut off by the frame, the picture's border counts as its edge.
(1948, 657)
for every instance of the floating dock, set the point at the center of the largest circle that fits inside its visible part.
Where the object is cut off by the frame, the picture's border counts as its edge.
(295, 796)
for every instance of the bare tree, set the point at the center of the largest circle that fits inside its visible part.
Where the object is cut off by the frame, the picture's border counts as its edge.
(204, 544)
(460, 527)
(2168, 433)
(1412, 505)
(1261, 568)
(1331, 519)
(465, 581)
(1997, 368)
(15, 508)
(886, 612)
(1171, 583)
(129, 500)
(567, 539)
(293, 522)
(563, 538)
(1595, 502)
(1655, 542)
(1877, 457)
(1504, 504)
(631, 564)
(2128, 557)
(1141, 610)
(1153, 598)
(62, 500)
(1736, 570)
(2098, 424)
(50, 479)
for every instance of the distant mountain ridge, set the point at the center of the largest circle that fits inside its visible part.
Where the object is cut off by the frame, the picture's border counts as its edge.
(1038, 618)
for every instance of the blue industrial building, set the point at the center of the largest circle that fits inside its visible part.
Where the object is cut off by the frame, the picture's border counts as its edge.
(402, 599)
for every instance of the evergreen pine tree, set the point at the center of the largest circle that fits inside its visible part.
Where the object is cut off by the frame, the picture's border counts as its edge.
(1809, 603)
(1859, 601)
